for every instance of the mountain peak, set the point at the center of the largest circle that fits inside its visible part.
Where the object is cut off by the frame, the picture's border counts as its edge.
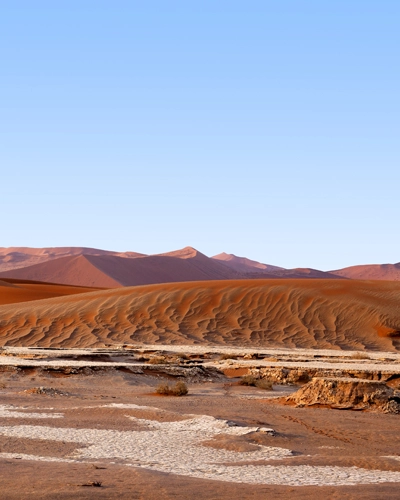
(183, 253)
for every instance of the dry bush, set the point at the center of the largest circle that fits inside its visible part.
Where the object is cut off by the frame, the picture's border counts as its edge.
(157, 360)
(260, 383)
(163, 389)
(179, 389)
(264, 384)
(228, 356)
(359, 355)
(248, 380)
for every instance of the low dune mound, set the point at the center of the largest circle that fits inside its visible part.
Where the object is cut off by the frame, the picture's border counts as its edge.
(304, 272)
(371, 272)
(325, 314)
(13, 291)
(347, 393)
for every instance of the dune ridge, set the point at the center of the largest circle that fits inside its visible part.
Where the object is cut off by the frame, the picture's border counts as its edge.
(336, 314)
(14, 291)
(19, 257)
(243, 264)
(386, 272)
(110, 271)
(105, 268)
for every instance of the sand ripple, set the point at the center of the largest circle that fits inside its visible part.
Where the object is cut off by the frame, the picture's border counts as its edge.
(291, 313)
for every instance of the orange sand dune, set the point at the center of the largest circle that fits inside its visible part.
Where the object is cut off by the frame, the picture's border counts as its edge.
(243, 264)
(305, 272)
(18, 257)
(12, 291)
(339, 314)
(110, 271)
(371, 272)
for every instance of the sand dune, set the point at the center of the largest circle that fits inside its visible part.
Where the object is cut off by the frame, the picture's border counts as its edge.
(187, 264)
(336, 314)
(305, 272)
(253, 269)
(110, 271)
(74, 270)
(103, 268)
(13, 291)
(243, 264)
(18, 257)
(386, 272)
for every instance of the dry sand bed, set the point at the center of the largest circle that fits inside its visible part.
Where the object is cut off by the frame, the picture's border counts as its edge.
(220, 441)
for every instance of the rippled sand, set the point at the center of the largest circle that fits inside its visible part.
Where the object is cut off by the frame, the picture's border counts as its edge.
(292, 313)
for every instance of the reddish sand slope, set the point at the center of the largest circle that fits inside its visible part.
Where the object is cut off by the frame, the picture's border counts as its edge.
(17, 257)
(371, 272)
(341, 314)
(109, 271)
(253, 269)
(14, 291)
(304, 272)
(78, 271)
(243, 264)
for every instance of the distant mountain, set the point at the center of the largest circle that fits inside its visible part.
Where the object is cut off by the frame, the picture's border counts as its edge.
(244, 265)
(111, 271)
(18, 257)
(305, 272)
(93, 267)
(382, 272)
(254, 269)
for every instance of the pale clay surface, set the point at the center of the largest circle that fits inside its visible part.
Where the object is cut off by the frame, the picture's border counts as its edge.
(175, 448)
(298, 358)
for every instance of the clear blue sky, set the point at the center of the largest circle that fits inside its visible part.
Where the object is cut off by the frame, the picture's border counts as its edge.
(269, 129)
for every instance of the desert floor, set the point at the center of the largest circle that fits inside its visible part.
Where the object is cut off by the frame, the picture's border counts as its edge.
(222, 440)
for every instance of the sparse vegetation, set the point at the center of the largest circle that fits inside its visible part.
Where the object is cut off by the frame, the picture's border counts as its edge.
(157, 360)
(179, 389)
(264, 384)
(260, 383)
(48, 391)
(163, 360)
(228, 356)
(359, 355)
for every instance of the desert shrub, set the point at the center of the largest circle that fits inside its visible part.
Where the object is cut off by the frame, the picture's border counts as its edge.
(157, 360)
(264, 384)
(359, 355)
(163, 389)
(179, 389)
(228, 356)
(248, 380)
(304, 378)
(260, 383)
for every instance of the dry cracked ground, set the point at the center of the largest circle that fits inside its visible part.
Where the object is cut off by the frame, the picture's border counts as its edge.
(71, 428)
